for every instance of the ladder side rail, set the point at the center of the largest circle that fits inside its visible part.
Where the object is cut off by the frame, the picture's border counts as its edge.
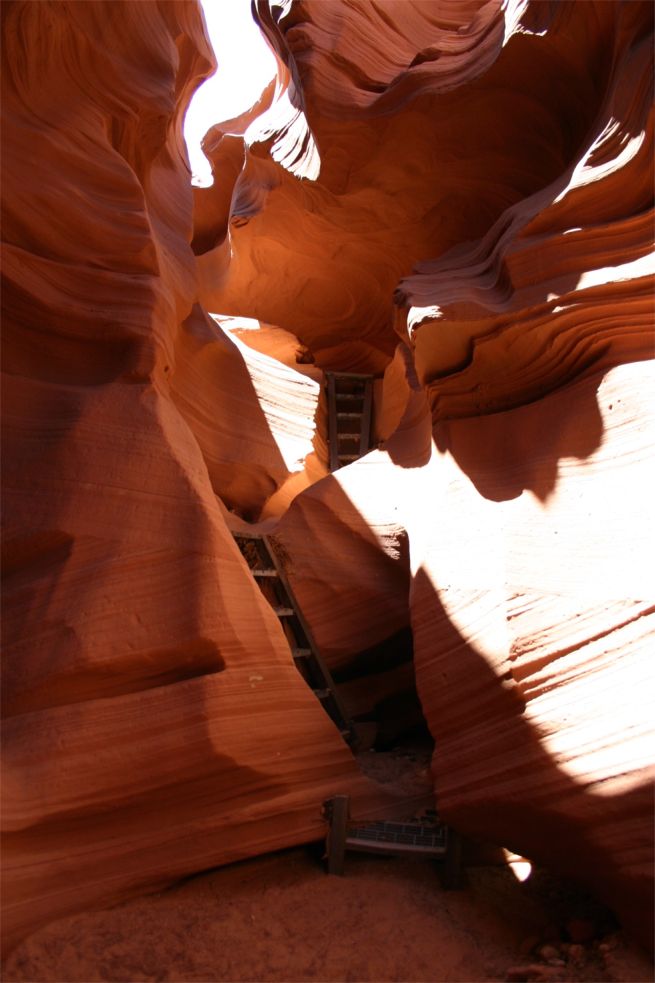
(452, 876)
(313, 672)
(365, 437)
(271, 572)
(345, 721)
(338, 808)
(311, 669)
(333, 433)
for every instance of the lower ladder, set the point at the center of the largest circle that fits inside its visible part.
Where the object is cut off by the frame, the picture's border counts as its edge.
(429, 838)
(261, 558)
(350, 408)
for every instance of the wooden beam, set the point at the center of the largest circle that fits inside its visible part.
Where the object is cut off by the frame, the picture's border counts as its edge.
(332, 422)
(451, 877)
(365, 437)
(338, 808)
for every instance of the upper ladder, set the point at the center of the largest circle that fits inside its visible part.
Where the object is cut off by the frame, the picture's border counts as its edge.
(350, 406)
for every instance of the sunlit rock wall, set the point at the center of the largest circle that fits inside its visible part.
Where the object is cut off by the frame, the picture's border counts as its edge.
(471, 180)
(470, 154)
(485, 194)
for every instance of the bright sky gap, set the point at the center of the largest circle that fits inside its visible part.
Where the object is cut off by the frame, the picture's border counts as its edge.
(245, 65)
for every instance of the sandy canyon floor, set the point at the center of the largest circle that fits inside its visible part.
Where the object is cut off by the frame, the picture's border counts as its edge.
(280, 917)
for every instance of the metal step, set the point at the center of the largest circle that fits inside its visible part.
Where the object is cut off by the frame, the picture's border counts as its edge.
(265, 573)
(432, 840)
(349, 457)
(301, 653)
(284, 612)
(387, 837)
(349, 416)
(322, 694)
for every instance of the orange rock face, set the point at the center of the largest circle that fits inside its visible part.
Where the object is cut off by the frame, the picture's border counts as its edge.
(154, 724)
(452, 196)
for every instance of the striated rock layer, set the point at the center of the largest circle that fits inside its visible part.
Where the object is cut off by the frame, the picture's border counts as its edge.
(480, 192)
(531, 605)
(154, 724)
(509, 155)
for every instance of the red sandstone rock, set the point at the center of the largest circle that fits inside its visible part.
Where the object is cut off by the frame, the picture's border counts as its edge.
(489, 165)
(154, 722)
(530, 632)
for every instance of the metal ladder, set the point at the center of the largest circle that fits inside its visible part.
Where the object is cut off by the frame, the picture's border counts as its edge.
(259, 553)
(429, 838)
(350, 407)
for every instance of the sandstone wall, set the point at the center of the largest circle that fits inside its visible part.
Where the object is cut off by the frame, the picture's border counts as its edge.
(154, 724)
(484, 198)
(522, 518)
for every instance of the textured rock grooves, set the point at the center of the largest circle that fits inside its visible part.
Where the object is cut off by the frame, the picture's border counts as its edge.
(478, 237)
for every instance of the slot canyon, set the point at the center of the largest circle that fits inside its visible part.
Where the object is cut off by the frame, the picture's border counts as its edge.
(450, 201)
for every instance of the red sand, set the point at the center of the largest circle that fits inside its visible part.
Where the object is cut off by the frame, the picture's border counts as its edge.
(281, 918)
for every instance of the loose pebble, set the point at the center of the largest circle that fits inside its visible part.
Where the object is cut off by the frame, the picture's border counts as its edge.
(577, 954)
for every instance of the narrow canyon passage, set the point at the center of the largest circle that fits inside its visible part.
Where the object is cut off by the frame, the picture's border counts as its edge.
(404, 342)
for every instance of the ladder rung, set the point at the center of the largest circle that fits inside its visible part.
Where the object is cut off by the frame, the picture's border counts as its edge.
(349, 416)
(313, 663)
(349, 436)
(349, 457)
(365, 376)
(350, 396)
(312, 666)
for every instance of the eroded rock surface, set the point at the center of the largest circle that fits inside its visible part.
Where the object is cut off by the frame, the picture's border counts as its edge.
(478, 237)
(154, 722)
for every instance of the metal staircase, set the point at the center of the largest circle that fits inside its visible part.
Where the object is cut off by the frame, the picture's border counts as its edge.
(259, 554)
(350, 406)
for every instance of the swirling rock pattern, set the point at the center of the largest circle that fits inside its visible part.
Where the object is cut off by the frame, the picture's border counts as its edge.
(532, 611)
(516, 145)
(419, 193)
(154, 724)
(483, 198)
